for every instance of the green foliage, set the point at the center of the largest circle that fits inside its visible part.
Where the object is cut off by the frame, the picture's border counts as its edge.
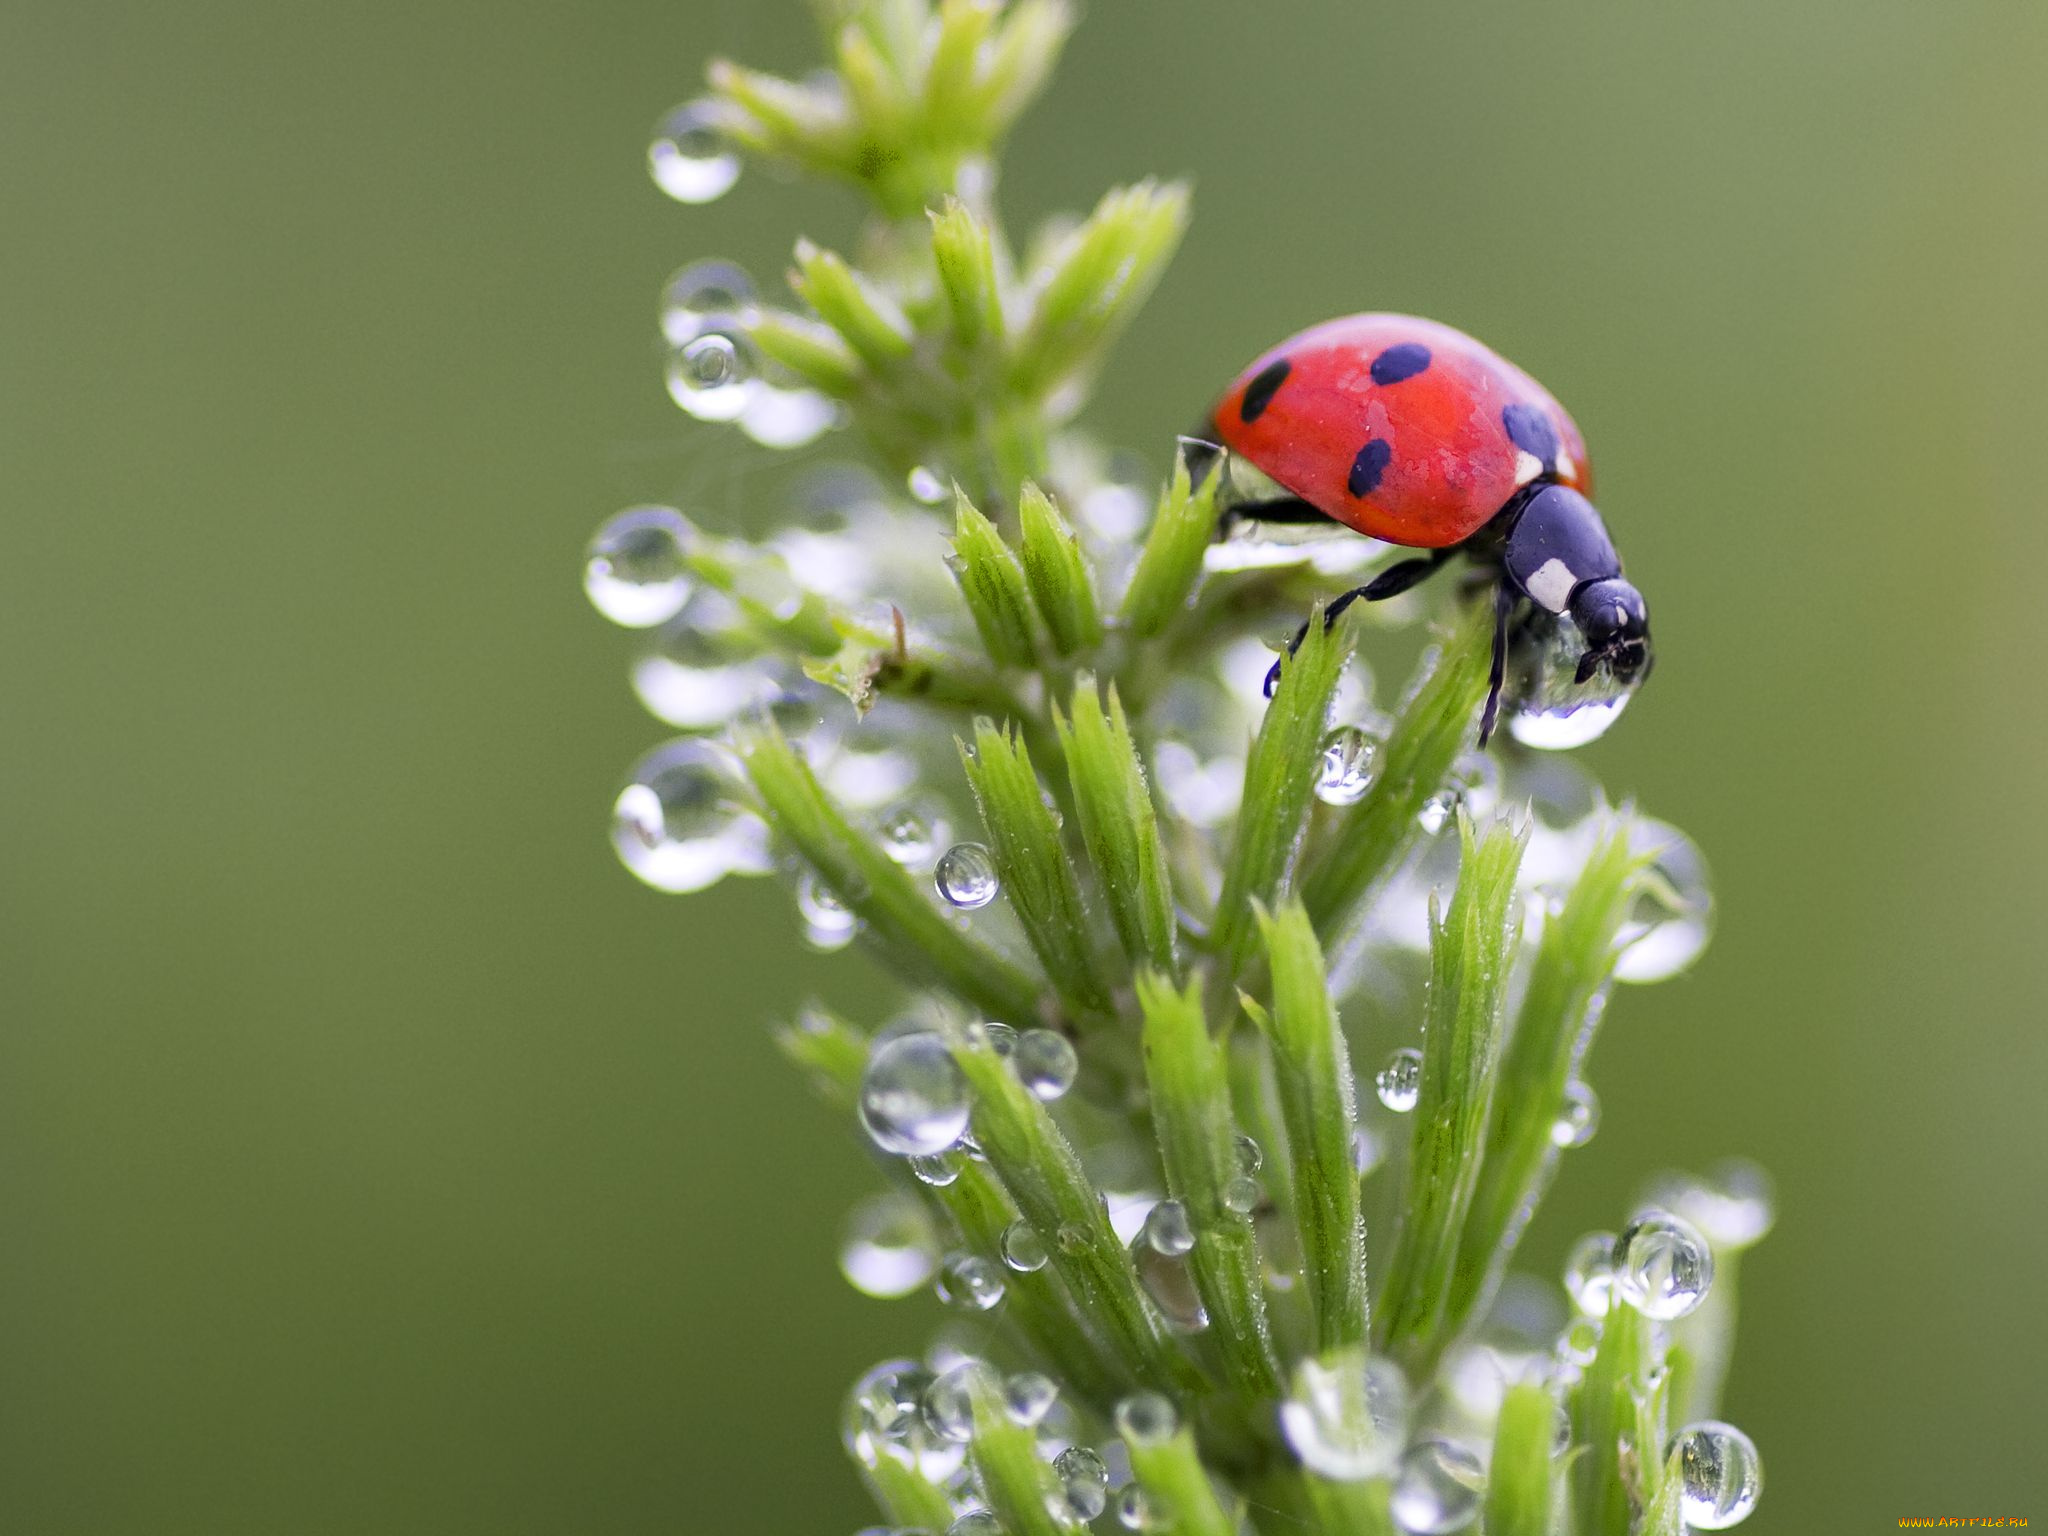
(1089, 680)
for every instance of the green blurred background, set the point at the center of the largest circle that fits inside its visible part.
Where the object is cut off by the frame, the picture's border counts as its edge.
(375, 1155)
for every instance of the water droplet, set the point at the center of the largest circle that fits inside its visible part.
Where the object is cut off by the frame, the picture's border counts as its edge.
(776, 416)
(690, 159)
(711, 376)
(884, 1415)
(1147, 1418)
(1551, 731)
(1732, 1207)
(1023, 1249)
(1028, 1397)
(1720, 1475)
(1045, 1063)
(1589, 1273)
(906, 837)
(1350, 759)
(938, 1170)
(948, 1404)
(1399, 1082)
(1437, 1488)
(1577, 1118)
(1347, 1414)
(976, 1522)
(1134, 1509)
(829, 923)
(1475, 781)
(1168, 1278)
(634, 570)
(697, 677)
(1167, 1229)
(926, 486)
(702, 294)
(913, 1095)
(1001, 1038)
(1579, 1343)
(1084, 1483)
(677, 824)
(966, 876)
(1366, 1150)
(887, 1252)
(969, 1283)
(1560, 1430)
(1673, 914)
(1436, 812)
(1662, 1267)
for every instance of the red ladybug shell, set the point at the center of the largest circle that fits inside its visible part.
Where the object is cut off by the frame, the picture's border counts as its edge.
(1401, 428)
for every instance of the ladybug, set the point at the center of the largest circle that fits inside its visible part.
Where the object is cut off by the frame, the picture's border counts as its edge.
(1414, 433)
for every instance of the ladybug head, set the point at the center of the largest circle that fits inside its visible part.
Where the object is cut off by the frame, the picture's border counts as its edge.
(1616, 624)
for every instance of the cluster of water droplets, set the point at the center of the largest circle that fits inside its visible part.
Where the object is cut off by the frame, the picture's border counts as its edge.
(715, 371)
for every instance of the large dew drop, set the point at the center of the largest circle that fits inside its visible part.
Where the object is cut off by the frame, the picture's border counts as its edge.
(1350, 759)
(702, 296)
(693, 677)
(1399, 1082)
(969, 1283)
(966, 876)
(1673, 915)
(1084, 1484)
(1044, 1062)
(1147, 1418)
(711, 376)
(676, 824)
(948, 1406)
(1733, 1206)
(884, 1416)
(1437, 1489)
(1347, 1415)
(635, 571)
(888, 1250)
(913, 1096)
(1662, 1267)
(1589, 1273)
(690, 159)
(1720, 1475)
(1578, 1117)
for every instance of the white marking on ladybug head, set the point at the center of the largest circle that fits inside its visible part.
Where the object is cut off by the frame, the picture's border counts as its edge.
(1527, 466)
(1565, 467)
(1551, 584)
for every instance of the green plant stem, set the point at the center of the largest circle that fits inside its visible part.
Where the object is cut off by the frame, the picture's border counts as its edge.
(1518, 1483)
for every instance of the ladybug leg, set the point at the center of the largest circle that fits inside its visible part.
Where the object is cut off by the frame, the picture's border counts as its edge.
(1503, 605)
(1391, 582)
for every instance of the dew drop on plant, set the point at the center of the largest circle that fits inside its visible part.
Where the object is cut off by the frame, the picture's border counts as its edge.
(1084, 1483)
(969, 1283)
(1366, 1150)
(1028, 1397)
(779, 416)
(948, 1403)
(966, 876)
(711, 376)
(1399, 1083)
(1147, 1418)
(1579, 1343)
(1548, 730)
(913, 1095)
(1436, 811)
(1346, 1415)
(1733, 1206)
(676, 824)
(690, 159)
(829, 923)
(1045, 1063)
(1577, 1118)
(1001, 1039)
(1169, 1280)
(1720, 1476)
(703, 294)
(690, 676)
(634, 569)
(885, 1414)
(1350, 758)
(926, 486)
(1134, 1509)
(976, 1522)
(906, 837)
(1673, 913)
(887, 1252)
(1437, 1488)
(1023, 1249)
(1662, 1267)
(1589, 1273)
(1167, 1229)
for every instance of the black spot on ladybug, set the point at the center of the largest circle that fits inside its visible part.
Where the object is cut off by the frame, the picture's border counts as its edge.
(1259, 393)
(1530, 430)
(1398, 363)
(1367, 468)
